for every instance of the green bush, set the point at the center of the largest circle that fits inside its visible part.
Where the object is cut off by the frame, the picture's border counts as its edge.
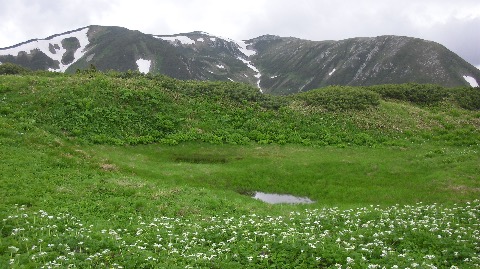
(420, 94)
(338, 98)
(12, 69)
(133, 108)
(467, 98)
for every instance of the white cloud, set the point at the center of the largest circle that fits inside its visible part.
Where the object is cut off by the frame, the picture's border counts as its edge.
(23, 20)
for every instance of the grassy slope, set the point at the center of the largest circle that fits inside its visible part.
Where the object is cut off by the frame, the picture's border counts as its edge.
(407, 153)
(398, 152)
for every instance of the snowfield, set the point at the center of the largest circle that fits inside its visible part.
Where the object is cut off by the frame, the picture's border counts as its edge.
(144, 65)
(243, 48)
(57, 51)
(472, 81)
(184, 40)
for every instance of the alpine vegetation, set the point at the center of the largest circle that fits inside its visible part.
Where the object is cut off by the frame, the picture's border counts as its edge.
(414, 236)
(140, 170)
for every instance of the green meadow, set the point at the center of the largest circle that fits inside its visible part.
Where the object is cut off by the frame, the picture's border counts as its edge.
(124, 170)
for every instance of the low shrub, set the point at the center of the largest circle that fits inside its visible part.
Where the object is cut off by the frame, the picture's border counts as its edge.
(12, 69)
(420, 94)
(467, 98)
(337, 98)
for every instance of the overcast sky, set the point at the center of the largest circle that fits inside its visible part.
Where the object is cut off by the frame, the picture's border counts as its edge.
(453, 23)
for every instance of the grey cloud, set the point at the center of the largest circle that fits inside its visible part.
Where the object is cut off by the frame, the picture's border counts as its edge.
(460, 36)
(39, 19)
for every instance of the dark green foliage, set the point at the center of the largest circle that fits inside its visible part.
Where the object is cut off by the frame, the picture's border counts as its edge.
(36, 60)
(420, 94)
(233, 91)
(70, 44)
(91, 71)
(337, 98)
(12, 69)
(429, 94)
(135, 108)
(103, 111)
(467, 98)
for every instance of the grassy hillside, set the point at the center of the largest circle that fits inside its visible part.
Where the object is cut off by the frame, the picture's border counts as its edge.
(122, 170)
(132, 109)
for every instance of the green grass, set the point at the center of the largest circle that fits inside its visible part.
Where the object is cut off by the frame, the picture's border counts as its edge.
(394, 185)
(425, 236)
(329, 175)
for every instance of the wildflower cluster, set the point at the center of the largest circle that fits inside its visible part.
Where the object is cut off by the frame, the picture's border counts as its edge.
(419, 236)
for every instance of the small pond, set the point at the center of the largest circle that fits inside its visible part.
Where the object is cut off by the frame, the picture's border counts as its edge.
(273, 198)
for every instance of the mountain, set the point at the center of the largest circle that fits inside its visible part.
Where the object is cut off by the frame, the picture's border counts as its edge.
(292, 63)
(278, 65)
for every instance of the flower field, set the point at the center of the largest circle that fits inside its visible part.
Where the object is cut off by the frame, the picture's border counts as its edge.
(418, 236)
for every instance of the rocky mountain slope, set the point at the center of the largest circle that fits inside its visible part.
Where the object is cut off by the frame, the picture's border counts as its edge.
(278, 65)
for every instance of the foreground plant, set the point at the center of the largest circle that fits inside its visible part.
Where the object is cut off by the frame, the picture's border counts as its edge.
(419, 236)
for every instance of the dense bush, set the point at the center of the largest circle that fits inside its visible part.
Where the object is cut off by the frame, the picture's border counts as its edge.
(337, 98)
(421, 94)
(136, 108)
(230, 91)
(101, 109)
(467, 98)
(12, 69)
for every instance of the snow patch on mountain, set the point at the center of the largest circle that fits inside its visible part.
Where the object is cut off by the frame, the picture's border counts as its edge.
(333, 71)
(243, 48)
(144, 65)
(472, 81)
(53, 48)
(251, 66)
(184, 40)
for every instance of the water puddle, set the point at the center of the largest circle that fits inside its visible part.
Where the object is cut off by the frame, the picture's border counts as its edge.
(273, 198)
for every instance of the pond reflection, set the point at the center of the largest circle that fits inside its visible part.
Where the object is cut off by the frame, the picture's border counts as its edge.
(273, 198)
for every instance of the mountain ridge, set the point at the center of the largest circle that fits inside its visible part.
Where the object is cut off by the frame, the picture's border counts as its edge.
(278, 65)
